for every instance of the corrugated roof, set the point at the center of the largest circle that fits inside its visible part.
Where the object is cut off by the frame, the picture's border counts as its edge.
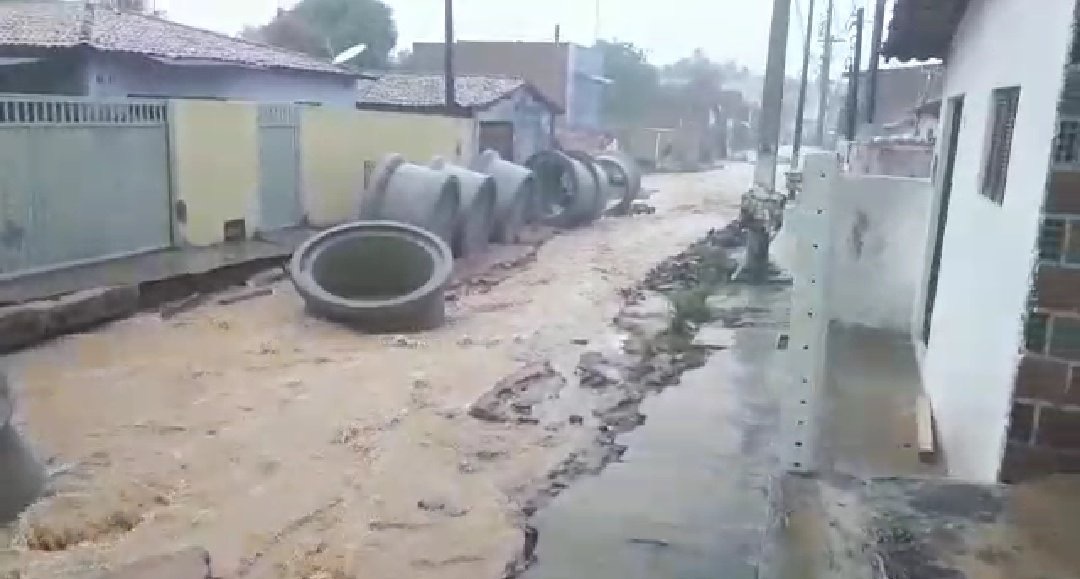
(429, 90)
(71, 24)
(922, 29)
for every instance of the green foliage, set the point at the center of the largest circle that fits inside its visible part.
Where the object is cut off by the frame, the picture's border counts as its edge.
(324, 28)
(634, 82)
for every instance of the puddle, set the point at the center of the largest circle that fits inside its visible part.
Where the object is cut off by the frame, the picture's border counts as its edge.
(689, 497)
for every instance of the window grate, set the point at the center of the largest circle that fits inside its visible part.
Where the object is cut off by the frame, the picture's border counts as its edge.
(1004, 104)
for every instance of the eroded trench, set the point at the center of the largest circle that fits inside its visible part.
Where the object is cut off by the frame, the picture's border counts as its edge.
(661, 324)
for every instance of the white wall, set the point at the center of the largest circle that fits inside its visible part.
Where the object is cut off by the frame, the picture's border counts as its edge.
(970, 365)
(876, 259)
(119, 76)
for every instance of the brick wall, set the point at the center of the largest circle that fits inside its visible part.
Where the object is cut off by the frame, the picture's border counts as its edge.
(1044, 432)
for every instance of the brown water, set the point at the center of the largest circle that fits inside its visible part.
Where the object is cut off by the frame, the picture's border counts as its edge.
(291, 447)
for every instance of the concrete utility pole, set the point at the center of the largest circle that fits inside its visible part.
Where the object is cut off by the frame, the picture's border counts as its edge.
(808, 41)
(824, 89)
(448, 70)
(875, 60)
(856, 66)
(772, 99)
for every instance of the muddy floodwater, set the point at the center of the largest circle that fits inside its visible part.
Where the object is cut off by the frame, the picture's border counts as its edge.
(291, 447)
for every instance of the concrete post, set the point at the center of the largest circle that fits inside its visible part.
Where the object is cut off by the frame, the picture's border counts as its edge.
(772, 99)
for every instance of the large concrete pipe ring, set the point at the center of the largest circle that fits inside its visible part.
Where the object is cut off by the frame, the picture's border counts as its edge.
(476, 216)
(413, 194)
(22, 477)
(515, 193)
(377, 276)
(603, 189)
(624, 177)
(567, 189)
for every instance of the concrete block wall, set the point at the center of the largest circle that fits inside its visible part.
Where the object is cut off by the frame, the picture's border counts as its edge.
(1044, 430)
(335, 146)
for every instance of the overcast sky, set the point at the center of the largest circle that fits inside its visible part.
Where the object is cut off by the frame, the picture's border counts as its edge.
(667, 29)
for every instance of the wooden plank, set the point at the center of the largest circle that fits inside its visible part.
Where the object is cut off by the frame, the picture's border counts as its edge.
(924, 423)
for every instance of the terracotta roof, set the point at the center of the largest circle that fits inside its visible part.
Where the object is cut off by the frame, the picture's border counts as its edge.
(429, 90)
(923, 29)
(71, 24)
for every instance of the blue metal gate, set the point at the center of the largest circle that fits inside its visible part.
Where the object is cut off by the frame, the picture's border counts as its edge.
(81, 180)
(279, 167)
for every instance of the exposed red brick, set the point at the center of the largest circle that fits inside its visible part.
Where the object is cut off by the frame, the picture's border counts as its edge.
(1042, 379)
(1023, 462)
(1058, 288)
(1058, 428)
(1064, 193)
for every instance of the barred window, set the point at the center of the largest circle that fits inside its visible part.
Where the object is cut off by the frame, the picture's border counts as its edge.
(1003, 120)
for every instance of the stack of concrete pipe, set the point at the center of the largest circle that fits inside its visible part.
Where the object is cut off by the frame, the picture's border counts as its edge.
(378, 276)
(574, 188)
(388, 271)
(22, 477)
(623, 178)
(476, 217)
(422, 196)
(515, 194)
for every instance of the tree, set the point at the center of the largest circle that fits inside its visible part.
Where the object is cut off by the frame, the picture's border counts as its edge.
(633, 87)
(324, 28)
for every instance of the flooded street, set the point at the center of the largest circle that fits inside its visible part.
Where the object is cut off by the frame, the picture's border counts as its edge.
(291, 447)
(689, 497)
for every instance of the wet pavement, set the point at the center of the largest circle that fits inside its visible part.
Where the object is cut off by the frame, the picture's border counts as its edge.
(689, 498)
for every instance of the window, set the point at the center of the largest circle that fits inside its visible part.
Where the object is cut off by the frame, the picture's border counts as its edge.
(1003, 105)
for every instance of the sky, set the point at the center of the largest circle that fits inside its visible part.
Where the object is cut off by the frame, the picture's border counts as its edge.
(667, 29)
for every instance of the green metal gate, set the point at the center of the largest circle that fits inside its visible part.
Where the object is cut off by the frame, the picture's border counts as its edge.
(81, 180)
(279, 167)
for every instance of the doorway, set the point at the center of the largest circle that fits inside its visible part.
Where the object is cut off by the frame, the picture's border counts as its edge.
(953, 117)
(498, 135)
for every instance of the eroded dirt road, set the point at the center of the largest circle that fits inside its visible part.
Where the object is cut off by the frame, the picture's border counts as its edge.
(291, 447)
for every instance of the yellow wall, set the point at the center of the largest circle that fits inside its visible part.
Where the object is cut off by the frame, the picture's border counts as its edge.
(215, 166)
(336, 143)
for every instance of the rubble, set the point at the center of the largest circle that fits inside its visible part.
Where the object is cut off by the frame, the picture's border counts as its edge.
(513, 397)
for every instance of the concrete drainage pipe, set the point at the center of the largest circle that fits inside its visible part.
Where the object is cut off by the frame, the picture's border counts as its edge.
(413, 194)
(378, 276)
(22, 477)
(624, 177)
(476, 217)
(567, 189)
(515, 193)
(603, 189)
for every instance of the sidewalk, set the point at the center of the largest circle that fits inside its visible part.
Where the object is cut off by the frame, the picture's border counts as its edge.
(151, 267)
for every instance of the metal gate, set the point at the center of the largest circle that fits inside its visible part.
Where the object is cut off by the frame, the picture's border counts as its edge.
(81, 180)
(279, 167)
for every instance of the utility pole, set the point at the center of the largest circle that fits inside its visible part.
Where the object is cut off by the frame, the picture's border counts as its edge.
(875, 60)
(448, 66)
(824, 89)
(596, 31)
(800, 110)
(772, 99)
(762, 205)
(853, 85)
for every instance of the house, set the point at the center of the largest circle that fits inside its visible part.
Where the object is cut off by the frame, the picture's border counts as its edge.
(79, 49)
(514, 117)
(569, 75)
(997, 315)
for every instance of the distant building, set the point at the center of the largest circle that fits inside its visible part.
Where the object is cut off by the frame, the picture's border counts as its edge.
(568, 75)
(513, 116)
(79, 49)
